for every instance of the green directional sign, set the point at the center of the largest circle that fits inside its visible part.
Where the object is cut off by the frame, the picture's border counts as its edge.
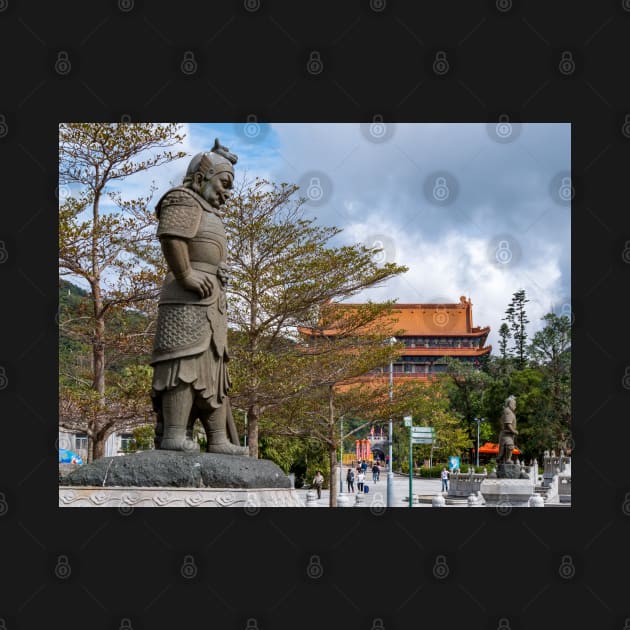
(421, 440)
(422, 431)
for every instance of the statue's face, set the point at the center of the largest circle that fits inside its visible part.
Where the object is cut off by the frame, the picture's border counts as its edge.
(215, 190)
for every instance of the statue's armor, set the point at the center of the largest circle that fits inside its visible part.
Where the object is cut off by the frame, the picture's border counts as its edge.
(188, 324)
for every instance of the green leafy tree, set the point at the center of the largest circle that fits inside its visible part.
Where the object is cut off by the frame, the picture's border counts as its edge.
(284, 269)
(109, 243)
(429, 405)
(466, 389)
(550, 349)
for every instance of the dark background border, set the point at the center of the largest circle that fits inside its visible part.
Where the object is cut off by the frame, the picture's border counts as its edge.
(124, 59)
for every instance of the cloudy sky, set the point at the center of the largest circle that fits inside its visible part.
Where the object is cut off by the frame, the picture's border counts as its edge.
(472, 209)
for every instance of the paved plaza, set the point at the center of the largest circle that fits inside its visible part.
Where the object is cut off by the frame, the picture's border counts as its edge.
(377, 496)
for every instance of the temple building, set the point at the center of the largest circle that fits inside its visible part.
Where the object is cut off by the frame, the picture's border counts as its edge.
(433, 333)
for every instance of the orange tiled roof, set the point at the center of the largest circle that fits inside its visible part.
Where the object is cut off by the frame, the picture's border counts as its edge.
(430, 319)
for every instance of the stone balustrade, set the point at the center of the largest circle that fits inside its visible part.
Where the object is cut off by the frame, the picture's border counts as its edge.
(465, 484)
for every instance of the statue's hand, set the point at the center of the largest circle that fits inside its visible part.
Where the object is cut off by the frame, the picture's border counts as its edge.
(197, 281)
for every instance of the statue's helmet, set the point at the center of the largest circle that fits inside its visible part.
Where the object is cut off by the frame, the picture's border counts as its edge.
(210, 163)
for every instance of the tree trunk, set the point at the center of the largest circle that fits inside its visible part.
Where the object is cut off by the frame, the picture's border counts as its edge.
(98, 353)
(98, 342)
(98, 445)
(334, 482)
(332, 451)
(253, 413)
(90, 448)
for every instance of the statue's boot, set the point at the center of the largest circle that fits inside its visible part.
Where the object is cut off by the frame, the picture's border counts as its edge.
(215, 423)
(176, 411)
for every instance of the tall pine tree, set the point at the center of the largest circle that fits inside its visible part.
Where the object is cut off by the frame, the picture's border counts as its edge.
(516, 317)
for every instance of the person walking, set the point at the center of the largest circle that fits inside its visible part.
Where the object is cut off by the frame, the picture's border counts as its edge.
(444, 476)
(350, 480)
(360, 481)
(375, 472)
(318, 482)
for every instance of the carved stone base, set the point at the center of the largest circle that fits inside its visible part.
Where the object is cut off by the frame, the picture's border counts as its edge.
(512, 492)
(128, 498)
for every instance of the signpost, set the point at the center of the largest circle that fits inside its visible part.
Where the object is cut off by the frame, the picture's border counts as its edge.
(422, 435)
(417, 435)
(408, 423)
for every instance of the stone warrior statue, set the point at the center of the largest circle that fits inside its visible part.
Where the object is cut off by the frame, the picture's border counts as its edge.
(190, 377)
(508, 431)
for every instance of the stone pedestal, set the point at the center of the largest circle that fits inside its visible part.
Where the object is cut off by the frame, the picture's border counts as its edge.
(177, 469)
(513, 492)
(177, 479)
(127, 498)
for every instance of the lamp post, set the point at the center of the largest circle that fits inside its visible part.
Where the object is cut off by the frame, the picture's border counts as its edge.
(340, 454)
(478, 421)
(390, 472)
